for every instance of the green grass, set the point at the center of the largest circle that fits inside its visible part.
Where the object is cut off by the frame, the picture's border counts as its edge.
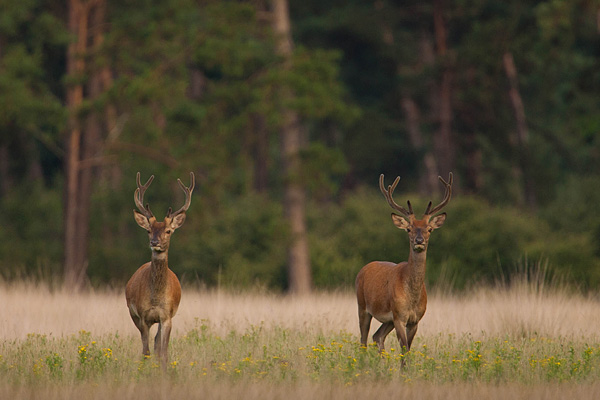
(281, 356)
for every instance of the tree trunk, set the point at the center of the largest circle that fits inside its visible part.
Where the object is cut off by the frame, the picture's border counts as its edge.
(522, 132)
(291, 143)
(81, 145)
(77, 25)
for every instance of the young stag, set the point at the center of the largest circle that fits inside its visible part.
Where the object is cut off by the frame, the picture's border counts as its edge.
(395, 293)
(153, 292)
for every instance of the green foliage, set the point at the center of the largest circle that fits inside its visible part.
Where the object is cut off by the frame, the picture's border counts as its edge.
(196, 87)
(484, 243)
(478, 243)
(27, 105)
(345, 237)
(574, 208)
(241, 241)
(30, 244)
(240, 244)
(322, 170)
(230, 44)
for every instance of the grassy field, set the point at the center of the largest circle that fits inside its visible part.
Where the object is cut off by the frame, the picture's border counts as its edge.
(520, 343)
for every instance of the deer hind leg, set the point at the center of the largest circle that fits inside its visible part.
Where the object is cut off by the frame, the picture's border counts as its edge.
(411, 331)
(364, 322)
(381, 334)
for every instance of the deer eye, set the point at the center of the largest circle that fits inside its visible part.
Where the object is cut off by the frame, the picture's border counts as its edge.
(407, 229)
(430, 230)
(168, 231)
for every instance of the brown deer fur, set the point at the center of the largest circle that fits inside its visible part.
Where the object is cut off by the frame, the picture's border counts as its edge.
(153, 292)
(395, 294)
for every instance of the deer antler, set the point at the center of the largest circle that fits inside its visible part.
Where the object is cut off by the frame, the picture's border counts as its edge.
(138, 196)
(388, 196)
(188, 196)
(447, 196)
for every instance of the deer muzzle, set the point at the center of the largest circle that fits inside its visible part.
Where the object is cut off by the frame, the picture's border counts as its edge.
(155, 245)
(419, 245)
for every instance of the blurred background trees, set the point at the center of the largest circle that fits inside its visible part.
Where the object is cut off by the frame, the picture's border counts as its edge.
(504, 94)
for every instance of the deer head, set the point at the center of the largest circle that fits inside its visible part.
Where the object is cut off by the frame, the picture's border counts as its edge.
(418, 229)
(160, 233)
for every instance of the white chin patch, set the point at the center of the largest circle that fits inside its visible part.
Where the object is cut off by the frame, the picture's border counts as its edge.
(419, 248)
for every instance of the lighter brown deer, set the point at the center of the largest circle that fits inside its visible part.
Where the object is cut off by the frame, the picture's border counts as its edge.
(153, 292)
(395, 294)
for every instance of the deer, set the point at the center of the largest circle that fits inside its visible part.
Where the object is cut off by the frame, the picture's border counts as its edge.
(153, 293)
(395, 294)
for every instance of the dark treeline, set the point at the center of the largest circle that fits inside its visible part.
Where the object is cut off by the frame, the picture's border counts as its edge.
(287, 124)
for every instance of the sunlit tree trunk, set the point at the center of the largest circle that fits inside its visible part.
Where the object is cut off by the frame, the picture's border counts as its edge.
(291, 144)
(77, 25)
(83, 138)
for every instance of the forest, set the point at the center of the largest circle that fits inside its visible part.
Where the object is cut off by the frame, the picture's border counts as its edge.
(287, 112)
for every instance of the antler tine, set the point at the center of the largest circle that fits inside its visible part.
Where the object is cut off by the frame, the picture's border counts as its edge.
(388, 196)
(188, 195)
(138, 196)
(447, 196)
(410, 210)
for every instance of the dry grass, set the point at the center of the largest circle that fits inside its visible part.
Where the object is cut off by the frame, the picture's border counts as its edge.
(488, 314)
(521, 311)
(263, 391)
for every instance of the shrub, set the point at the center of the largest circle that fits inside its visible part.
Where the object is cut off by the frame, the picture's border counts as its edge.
(478, 243)
(30, 238)
(241, 244)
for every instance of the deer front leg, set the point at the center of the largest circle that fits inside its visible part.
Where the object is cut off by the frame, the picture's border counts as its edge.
(364, 321)
(157, 341)
(163, 341)
(400, 326)
(144, 332)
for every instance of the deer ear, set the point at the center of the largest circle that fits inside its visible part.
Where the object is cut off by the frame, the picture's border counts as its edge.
(400, 222)
(177, 221)
(437, 221)
(141, 220)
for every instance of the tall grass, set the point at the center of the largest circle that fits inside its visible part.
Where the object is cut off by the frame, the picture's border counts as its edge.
(519, 340)
(523, 308)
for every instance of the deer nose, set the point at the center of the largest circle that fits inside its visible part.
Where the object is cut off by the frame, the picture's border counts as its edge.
(154, 242)
(419, 240)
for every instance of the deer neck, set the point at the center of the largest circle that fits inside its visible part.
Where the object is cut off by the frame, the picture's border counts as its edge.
(416, 272)
(159, 269)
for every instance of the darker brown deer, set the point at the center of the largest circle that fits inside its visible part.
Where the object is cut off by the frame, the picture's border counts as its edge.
(395, 293)
(153, 292)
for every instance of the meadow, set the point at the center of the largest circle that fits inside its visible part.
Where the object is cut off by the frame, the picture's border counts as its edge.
(526, 341)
